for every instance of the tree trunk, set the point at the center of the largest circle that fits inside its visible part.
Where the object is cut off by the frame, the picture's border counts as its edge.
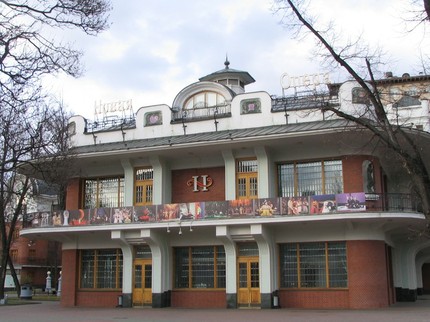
(15, 278)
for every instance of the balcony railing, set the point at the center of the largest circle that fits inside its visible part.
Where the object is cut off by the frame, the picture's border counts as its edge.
(231, 209)
(393, 202)
(111, 123)
(201, 113)
(299, 102)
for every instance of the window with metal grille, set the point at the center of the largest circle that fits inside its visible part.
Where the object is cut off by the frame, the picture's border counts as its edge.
(200, 267)
(314, 265)
(103, 193)
(101, 269)
(142, 252)
(143, 186)
(310, 178)
(246, 179)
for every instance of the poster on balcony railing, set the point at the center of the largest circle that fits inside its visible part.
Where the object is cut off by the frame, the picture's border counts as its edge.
(322, 204)
(231, 209)
(351, 202)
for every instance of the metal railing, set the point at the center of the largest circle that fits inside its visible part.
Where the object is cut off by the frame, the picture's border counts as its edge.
(201, 113)
(393, 202)
(298, 102)
(111, 123)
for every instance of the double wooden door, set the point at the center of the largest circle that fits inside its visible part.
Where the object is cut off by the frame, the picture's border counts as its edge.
(142, 282)
(248, 282)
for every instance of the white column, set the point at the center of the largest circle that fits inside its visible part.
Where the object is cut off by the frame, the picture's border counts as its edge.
(128, 182)
(230, 175)
(127, 261)
(263, 172)
(268, 260)
(162, 181)
(230, 258)
(161, 264)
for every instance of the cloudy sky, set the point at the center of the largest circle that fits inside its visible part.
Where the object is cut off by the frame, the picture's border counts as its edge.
(154, 48)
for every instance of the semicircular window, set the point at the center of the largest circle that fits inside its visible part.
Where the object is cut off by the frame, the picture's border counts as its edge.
(204, 100)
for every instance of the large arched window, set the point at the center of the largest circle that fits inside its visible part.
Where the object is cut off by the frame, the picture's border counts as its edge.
(204, 99)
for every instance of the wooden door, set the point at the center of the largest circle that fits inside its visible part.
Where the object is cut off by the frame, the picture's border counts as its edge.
(142, 282)
(249, 282)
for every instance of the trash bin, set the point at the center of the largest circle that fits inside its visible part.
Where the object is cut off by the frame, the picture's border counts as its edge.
(275, 300)
(26, 292)
(119, 301)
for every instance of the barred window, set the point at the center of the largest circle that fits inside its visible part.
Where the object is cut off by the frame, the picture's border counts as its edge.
(314, 265)
(103, 193)
(200, 267)
(310, 178)
(101, 269)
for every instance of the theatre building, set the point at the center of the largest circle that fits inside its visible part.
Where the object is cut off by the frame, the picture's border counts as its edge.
(230, 199)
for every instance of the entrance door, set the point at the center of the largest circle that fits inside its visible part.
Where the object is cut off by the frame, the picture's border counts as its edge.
(249, 282)
(142, 283)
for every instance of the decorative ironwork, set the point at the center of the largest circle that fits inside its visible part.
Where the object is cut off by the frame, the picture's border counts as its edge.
(298, 102)
(202, 113)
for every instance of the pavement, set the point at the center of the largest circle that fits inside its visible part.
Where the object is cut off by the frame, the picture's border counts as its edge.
(53, 311)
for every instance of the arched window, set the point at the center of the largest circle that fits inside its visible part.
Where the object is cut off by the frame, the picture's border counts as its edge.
(204, 99)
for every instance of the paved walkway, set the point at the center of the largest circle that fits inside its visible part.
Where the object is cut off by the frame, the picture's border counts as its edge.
(52, 311)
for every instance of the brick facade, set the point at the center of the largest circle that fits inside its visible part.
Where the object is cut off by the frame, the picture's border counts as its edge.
(368, 274)
(199, 299)
(97, 299)
(181, 192)
(353, 173)
(73, 194)
(69, 277)
(369, 283)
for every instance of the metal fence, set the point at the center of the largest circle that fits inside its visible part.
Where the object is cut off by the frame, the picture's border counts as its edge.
(393, 202)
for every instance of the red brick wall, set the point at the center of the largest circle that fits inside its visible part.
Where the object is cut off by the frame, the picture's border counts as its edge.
(367, 274)
(353, 174)
(181, 192)
(69, 277)
(97, 299)
(313, 299)
(73, 194)
(199, 299)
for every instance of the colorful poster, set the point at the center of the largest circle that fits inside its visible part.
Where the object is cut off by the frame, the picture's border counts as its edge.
(241, 207)
(266, 207)
(351, 202)
(323, 204)
(215, 209)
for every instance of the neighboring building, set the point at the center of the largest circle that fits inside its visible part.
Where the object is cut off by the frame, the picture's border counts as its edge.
(231, 199)
(34, 257)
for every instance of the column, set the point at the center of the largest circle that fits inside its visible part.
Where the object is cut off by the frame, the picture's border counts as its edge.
(268, 264)
(161, 267)
(231, 265)
(127, 267)
(230, 175)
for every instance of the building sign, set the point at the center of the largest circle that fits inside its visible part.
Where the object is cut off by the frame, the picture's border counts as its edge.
(118, 108)
(200, 183)
(312, 80)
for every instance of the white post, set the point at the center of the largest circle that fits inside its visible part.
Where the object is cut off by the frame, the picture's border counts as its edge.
(48, 282)
(59, 285)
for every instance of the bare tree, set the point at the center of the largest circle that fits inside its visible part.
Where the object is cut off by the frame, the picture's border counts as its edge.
(33, 126)
(398, 139)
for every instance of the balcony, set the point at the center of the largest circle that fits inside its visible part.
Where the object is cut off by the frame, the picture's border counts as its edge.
(267, 208)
